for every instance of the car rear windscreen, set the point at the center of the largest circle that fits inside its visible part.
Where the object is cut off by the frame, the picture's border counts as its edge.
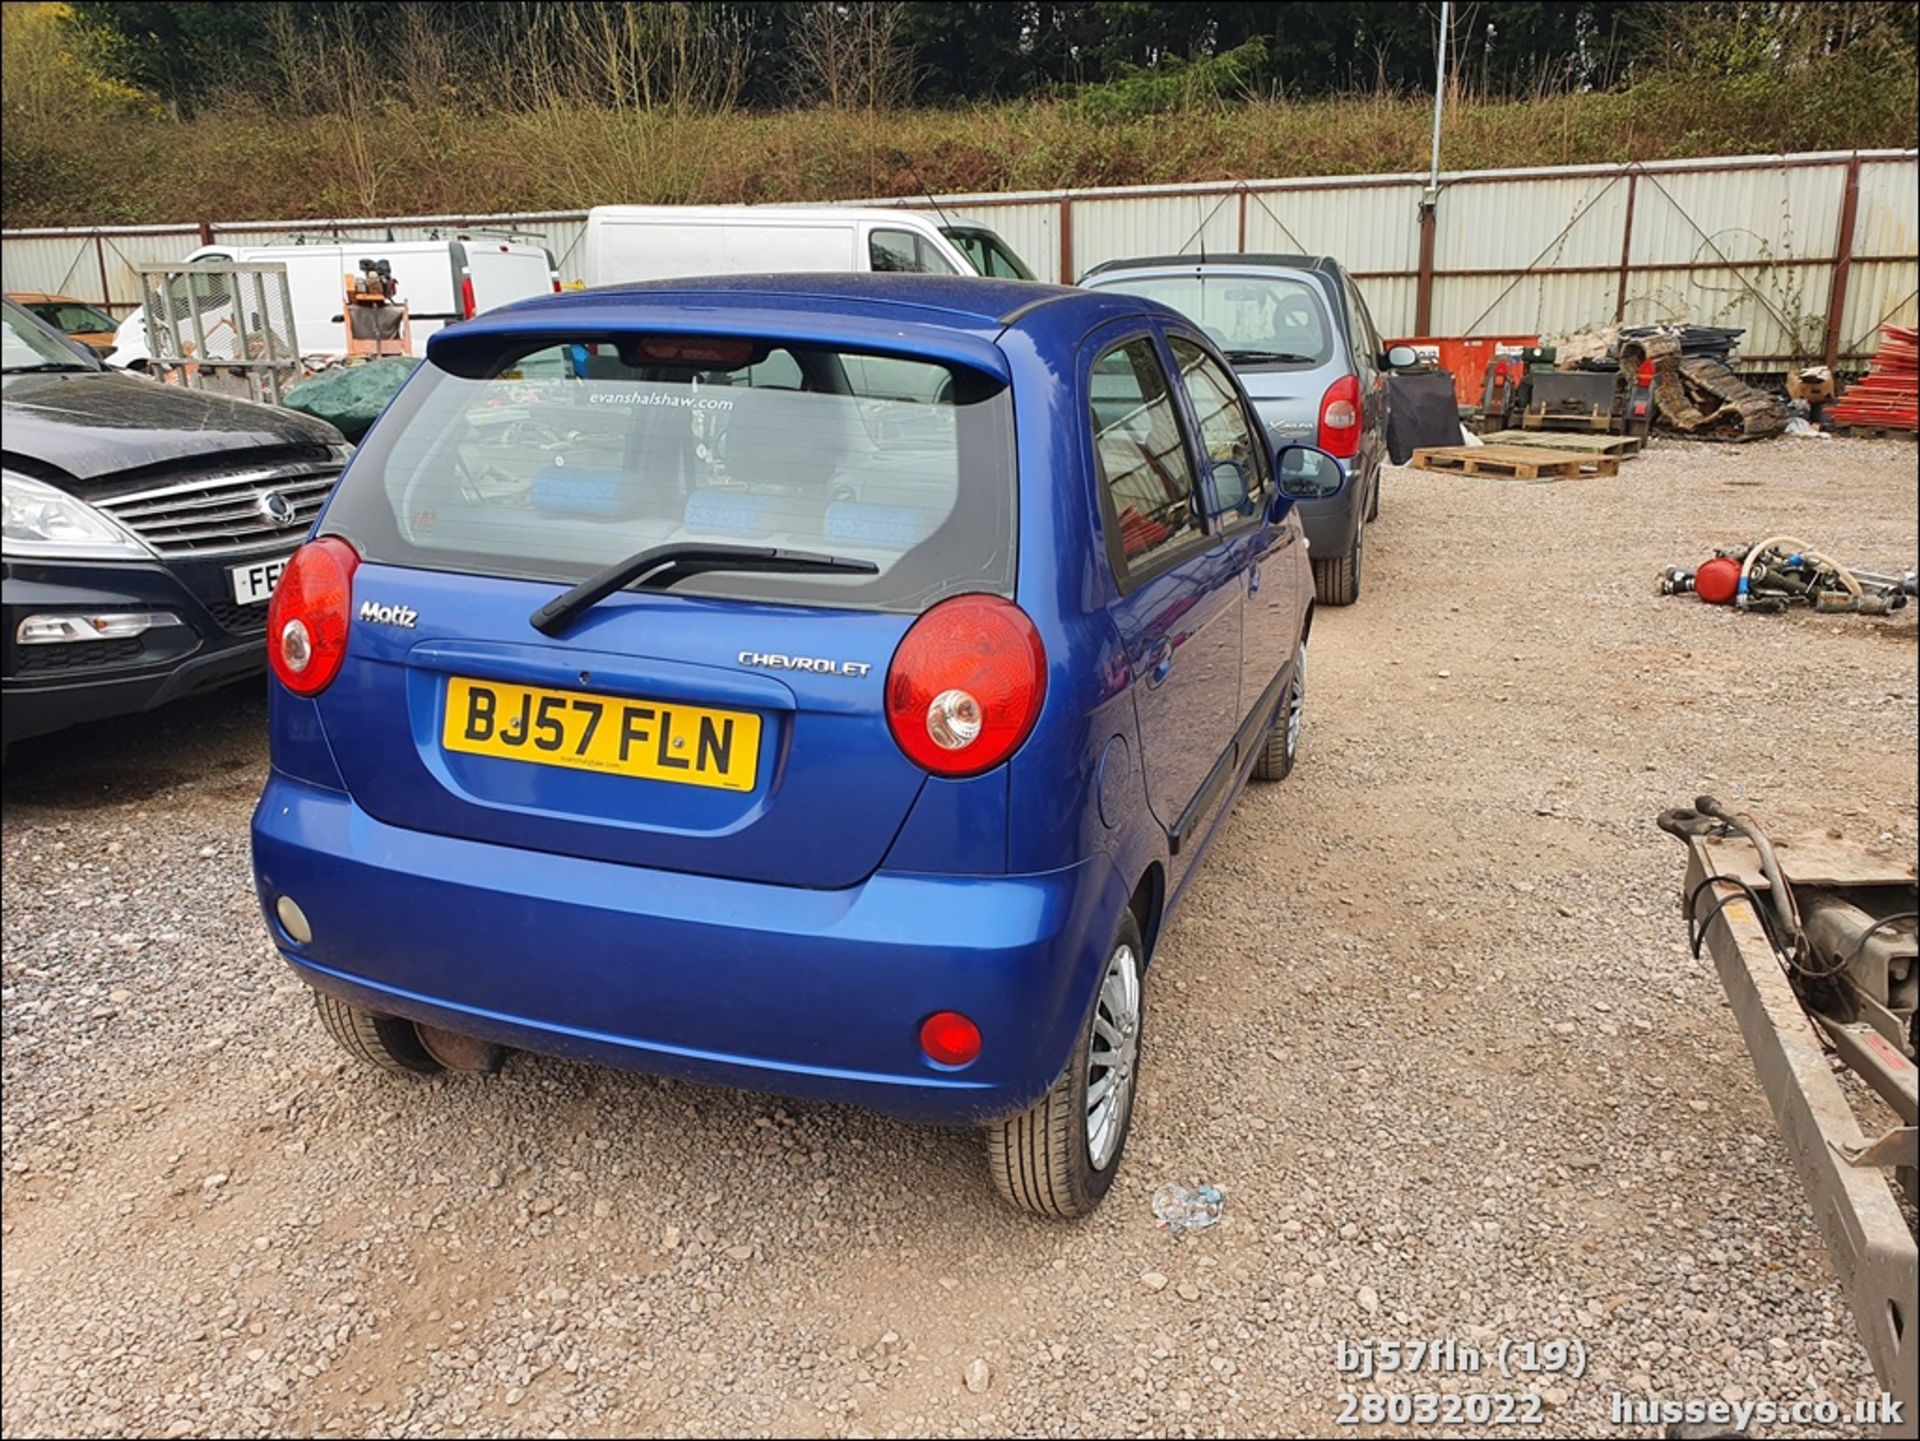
(1272, 315)
(555, 463)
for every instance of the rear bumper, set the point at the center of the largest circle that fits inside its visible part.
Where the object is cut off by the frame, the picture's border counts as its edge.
(768, 988)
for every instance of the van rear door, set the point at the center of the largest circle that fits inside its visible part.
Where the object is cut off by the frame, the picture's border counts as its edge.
(492, 272)
(316, 285)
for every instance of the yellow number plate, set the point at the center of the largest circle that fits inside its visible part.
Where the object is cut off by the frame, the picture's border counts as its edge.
(655, 740)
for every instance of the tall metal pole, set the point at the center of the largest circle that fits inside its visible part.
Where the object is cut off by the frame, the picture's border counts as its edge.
(1439, 95)
(1423, 289)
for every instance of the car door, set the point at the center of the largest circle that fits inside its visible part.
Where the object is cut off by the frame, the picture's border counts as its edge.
(1179, 592)
(904, 251)
(1374, 400)
(1239, 470)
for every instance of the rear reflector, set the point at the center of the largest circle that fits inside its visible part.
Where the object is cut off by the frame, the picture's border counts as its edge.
(949, 1038)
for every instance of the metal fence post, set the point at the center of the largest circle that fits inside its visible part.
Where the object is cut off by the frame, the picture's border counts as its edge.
(1066, 240)
(1842, 262)
(1423, 289)
(1626, 249)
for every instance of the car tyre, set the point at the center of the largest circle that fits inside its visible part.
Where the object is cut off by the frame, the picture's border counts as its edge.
(1059, 1157)
(1336, 579)
(1282, 745)
(384, 1041)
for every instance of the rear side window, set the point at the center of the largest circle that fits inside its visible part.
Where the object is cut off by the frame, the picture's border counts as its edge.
(1366, 340)
(555, 463)
(1141, 459)
(903, 250)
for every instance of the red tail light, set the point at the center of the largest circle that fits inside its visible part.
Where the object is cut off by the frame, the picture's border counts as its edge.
(1340, 418)
(308, 617)
(966, 684)
(467, 306)
(556, 285)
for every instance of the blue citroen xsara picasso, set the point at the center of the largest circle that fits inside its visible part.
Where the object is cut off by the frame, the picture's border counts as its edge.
(818, 684)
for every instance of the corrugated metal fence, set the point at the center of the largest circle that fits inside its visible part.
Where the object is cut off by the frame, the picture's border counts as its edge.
(1809, 253)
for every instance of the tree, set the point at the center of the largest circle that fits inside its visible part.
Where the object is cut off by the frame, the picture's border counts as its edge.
(850, 57)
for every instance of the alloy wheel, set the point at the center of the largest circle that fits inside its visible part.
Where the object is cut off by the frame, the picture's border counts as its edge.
(1297, 699)
(1112, 1056)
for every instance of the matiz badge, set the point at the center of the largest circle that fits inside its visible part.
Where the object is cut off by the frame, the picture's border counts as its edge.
(377, 614)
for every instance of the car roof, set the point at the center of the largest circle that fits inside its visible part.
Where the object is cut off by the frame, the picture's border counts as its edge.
(43, 297)
(1323, 264)
(851, 306)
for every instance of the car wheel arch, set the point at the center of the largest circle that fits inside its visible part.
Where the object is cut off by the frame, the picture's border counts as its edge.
(1148, 905)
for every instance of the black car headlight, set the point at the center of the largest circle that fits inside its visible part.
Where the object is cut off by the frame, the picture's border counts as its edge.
(42, 522)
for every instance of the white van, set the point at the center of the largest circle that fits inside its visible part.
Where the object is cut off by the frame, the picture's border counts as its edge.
(664, 242)
(440, 280)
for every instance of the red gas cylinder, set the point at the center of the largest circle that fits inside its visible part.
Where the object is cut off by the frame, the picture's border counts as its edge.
(1717, 580)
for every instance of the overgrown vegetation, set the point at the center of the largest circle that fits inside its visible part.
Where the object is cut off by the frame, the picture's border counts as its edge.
(131, 113)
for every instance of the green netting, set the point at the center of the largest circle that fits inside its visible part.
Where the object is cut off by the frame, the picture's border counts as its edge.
(348, 397)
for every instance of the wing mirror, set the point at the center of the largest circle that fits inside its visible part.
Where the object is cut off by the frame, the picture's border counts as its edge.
(1305, 472)
(1402, 357)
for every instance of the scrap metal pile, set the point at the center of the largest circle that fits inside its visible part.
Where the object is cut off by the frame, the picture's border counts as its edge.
(1697, 394)
(1779, 572)
(1888, 397)
(1716, 342)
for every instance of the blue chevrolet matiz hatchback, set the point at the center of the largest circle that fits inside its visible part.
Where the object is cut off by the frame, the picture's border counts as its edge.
(818, 684)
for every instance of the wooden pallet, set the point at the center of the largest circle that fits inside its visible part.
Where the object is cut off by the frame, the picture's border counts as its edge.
(1872, 432)
(1514, 462)
(1535, 420)
(1621, 446)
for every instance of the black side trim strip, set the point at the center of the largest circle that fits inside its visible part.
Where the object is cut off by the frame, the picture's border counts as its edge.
(1252, 726)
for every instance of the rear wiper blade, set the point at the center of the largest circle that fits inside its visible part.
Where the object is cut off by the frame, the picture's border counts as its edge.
(662, 565)
(1256, 356)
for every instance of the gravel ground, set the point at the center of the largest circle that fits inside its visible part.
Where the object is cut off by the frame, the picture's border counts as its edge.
(1428, 1019)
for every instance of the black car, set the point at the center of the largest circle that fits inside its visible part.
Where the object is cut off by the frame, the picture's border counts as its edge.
(145, 526)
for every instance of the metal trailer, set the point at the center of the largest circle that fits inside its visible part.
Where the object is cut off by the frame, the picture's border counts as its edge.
(1814, 940)
(221, 325)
